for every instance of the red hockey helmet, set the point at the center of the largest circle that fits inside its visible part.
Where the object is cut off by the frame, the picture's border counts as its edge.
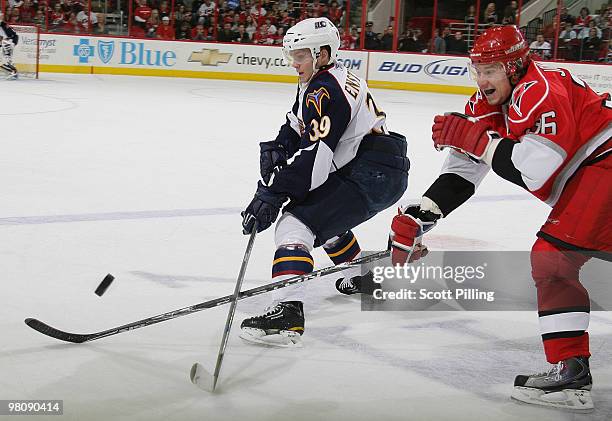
(502, 44)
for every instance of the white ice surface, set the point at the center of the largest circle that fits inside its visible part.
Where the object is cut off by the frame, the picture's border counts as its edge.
(145, 178)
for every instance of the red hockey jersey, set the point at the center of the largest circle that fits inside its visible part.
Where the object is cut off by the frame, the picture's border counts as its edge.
(558, 122)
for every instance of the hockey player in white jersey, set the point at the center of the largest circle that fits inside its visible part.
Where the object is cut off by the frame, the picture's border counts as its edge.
(8, 41)
(335, 164)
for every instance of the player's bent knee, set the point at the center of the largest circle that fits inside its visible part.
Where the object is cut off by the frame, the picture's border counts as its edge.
(291, 231)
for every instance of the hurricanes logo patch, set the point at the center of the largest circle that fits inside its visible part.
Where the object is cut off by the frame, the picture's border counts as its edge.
(316, 99)
(472, 103)
(517, 96)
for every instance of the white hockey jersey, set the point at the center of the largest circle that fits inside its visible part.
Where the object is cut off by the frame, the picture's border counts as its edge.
(324, 129)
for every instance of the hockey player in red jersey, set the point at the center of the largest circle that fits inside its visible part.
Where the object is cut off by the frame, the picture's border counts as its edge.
(548, 132)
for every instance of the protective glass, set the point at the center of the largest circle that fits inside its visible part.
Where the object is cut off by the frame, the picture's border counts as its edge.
(298, 57)
(491, 72)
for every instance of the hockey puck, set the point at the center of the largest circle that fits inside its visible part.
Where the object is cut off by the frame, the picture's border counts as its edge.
(108, 279)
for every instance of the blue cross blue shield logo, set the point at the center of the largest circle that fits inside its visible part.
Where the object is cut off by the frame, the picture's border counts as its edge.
(83, 50)
(106, 50)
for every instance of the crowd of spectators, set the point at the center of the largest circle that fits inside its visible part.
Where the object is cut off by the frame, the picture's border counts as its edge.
(450, 41)
(491, 16)
(55, 16)
(412, 40)
(247, 21)
(244, 21)
(582, 37)
(585, 37)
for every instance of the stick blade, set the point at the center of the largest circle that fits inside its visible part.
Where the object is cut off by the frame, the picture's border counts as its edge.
(202, 378)
(45, 329)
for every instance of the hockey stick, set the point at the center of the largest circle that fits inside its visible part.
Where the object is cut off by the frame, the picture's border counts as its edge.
(198, 374)
(45, 329)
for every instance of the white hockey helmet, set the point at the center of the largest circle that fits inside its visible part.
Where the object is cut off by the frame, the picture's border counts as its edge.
(312, 33)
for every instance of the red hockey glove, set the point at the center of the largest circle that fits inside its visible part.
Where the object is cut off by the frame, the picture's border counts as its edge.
(407, 231)
(466, 134)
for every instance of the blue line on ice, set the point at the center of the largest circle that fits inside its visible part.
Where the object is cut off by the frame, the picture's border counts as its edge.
(116, 216)
(178, 213)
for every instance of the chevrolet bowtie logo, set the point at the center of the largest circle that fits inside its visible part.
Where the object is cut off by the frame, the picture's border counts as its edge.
(209, 57)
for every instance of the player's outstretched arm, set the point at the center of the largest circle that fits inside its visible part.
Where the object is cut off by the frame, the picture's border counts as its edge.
(528, 162)
(456, 184)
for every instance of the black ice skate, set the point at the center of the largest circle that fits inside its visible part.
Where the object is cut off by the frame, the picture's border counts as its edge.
(567, 385)
(360, 284)
(281, 325)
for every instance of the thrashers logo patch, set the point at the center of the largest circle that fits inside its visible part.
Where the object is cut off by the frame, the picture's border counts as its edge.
(316, 98)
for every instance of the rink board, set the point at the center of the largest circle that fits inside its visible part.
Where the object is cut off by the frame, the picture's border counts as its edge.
(144, 57)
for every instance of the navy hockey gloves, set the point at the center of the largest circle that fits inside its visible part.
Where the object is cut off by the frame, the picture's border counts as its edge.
(264, 209)
(272, 158)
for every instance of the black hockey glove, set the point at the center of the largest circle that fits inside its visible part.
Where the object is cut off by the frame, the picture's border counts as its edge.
(272, 158)
(264, 209)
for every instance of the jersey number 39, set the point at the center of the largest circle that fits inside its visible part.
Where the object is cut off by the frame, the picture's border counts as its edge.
(320, 130)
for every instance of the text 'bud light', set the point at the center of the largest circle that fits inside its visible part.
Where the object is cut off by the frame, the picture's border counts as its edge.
(443, 67)
(391, 66)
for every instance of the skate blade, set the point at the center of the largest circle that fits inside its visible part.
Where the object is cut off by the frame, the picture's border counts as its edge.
(202, 378)
(283, 339)
(569, 399)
